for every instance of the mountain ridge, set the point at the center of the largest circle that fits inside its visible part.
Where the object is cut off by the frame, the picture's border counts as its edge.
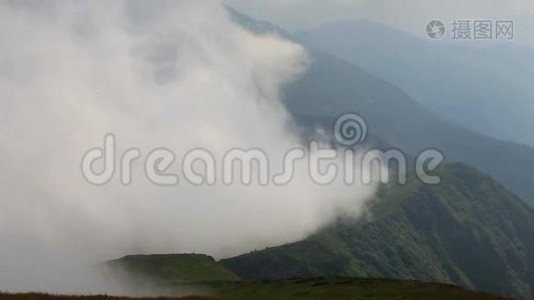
(472, 83)
(332, 87)
(467, 231)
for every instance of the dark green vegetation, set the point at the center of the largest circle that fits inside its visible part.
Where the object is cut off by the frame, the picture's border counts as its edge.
(468, 230)
(177, 268)
(51, 297)
(338, 288)
(318, 289)
(342, 289)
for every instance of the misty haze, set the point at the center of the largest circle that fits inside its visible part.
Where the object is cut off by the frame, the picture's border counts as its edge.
(228, 149)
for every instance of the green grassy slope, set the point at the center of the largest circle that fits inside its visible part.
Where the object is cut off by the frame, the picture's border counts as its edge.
(175, 268)
(469, 230)
(34, 296)
(343, 289)
(317, 289)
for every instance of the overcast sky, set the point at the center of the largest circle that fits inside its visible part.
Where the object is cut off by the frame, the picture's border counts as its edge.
(408, 15)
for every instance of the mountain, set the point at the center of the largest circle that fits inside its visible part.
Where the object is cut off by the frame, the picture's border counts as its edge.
(256, 26)
(468, 230)
(332, 87)
(56, 297)
(484, 86)
(173, 267)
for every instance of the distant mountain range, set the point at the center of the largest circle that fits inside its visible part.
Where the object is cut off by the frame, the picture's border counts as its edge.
(482, 85)
(332, 87)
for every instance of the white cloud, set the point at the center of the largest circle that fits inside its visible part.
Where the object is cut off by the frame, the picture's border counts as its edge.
(179, 75)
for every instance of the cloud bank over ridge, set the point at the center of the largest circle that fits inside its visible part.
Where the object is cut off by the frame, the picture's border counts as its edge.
(173, 74)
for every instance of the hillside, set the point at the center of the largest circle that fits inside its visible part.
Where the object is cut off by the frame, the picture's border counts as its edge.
(318, 289)
(469, 231)
(174, 268)
(200, 273)
(471, 84)
(332, 87)
(58, 297)
(342, 289)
